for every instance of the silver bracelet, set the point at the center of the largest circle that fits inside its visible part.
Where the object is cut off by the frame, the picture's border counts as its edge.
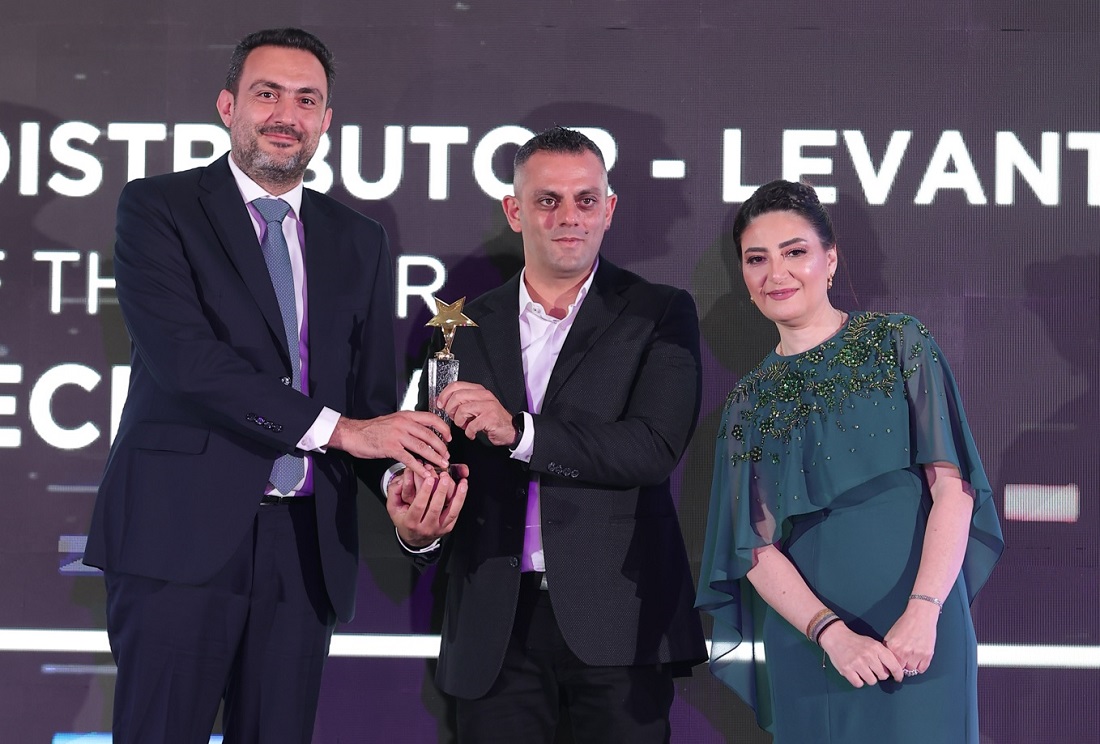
(926, 598)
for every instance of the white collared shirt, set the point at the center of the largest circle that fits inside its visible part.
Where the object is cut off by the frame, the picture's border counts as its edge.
(541, 337)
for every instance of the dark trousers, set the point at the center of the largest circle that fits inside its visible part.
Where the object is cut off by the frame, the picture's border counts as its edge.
(256, 634)
(541, 678)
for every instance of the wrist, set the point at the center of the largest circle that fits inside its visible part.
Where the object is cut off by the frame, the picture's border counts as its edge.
(335, 439)
(819, 622)
(833, 622)
(413, 545)
(831, 633)
(517, 424)
(926, 602)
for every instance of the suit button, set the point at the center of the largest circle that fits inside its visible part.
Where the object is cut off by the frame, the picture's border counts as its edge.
(513, 561)
(284, 380)
(521, 492)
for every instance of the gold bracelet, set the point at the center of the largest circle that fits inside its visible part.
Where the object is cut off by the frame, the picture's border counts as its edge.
(822, 624)
(814, 621)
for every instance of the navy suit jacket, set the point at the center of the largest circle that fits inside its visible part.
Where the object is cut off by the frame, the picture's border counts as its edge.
(209, 407)
(620, 407)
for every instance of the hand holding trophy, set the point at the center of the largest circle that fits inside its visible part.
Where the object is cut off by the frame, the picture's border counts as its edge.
(424, 509)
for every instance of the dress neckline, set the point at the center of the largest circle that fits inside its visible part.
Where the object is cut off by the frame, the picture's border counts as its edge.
(843, 327)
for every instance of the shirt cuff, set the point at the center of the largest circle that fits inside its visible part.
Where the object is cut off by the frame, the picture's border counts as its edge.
(417, 551)
(389, 475)
(316, 437)
(526, 446)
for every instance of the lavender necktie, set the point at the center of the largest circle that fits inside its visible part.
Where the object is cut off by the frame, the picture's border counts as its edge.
(288, 470)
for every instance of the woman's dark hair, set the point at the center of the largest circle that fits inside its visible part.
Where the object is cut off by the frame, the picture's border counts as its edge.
(784, 196)
(289, 38)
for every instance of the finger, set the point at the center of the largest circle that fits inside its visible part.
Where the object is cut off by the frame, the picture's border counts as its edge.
(427, 446)
(460, 412)
(396, 485)
(425, 420)
(395, 489)
(894, 667)
(459, 471)
(412, 463)
(458, 386)
(435, 453)
(398, 503)
(394, 502)
(438, 499)
(419, 507)
(408, 489)
(428, 431)
(454, 506)
(476, 425)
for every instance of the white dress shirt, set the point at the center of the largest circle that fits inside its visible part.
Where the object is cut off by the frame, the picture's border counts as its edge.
(541, 337)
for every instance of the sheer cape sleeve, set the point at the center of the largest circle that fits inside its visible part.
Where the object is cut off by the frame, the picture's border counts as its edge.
(797, 433)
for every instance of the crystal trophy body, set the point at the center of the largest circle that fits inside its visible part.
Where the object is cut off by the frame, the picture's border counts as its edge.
(443, 366)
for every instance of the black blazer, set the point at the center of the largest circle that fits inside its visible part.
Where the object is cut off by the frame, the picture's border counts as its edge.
(209, 406)
(620, 407)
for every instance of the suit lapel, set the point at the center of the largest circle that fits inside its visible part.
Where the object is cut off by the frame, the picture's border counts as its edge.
(498, 336)
(322, 267)
(229, 216)
(599, 310)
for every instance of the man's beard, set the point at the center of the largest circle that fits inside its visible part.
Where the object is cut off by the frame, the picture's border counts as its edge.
(265, 167)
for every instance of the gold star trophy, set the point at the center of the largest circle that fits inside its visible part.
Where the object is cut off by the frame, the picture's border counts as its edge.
(442, 366)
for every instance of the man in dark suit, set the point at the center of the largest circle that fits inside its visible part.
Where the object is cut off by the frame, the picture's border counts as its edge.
(567, 580)
(262, 366)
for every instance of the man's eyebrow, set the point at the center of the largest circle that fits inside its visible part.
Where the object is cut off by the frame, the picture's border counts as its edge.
(283, 89)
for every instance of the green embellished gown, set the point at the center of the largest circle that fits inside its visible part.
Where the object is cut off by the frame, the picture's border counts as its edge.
(821, 453)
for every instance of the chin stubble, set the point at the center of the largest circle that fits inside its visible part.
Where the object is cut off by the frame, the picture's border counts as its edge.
(262, 167)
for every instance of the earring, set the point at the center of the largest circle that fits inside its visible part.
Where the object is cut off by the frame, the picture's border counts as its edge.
(829, 283)
(751, 300)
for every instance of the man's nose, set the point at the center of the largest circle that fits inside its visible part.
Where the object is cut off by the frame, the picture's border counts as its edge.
(569, 214)
(282, 112)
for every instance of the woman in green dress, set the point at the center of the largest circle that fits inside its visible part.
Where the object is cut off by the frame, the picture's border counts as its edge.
(851, 522)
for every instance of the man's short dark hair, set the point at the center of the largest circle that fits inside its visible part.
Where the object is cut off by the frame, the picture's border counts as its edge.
(557, 139)
(784, 196)
(289, 38)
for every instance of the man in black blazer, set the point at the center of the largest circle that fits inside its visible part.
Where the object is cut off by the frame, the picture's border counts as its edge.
(257, 340)
(568, 584)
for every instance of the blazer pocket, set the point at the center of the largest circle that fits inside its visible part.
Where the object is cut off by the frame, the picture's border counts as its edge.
(168, 437)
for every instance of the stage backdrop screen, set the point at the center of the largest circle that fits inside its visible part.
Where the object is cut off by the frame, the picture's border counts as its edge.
(957, 145)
